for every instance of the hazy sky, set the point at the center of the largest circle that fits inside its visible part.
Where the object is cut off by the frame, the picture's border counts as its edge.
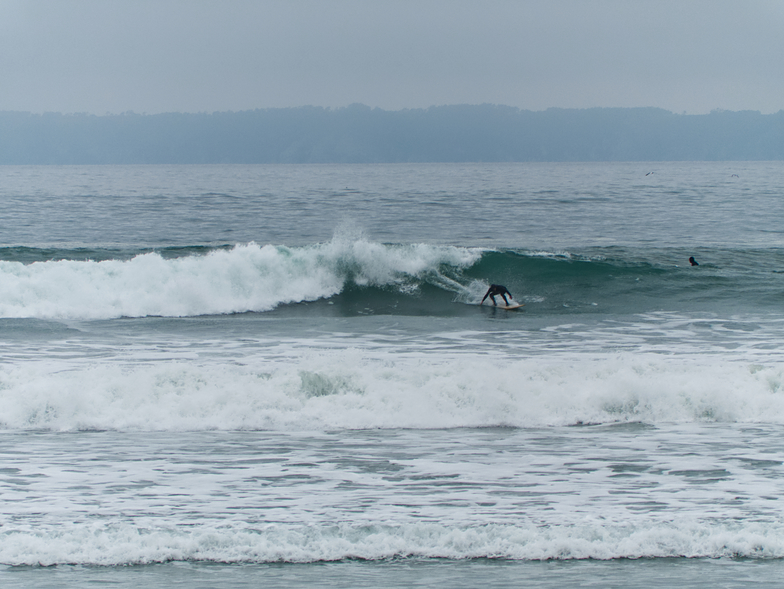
(151, 56)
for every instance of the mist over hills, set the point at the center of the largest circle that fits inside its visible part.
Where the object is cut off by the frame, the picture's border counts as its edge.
(360, 134)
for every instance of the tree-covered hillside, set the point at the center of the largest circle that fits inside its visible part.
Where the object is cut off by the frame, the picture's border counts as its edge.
(463, 133)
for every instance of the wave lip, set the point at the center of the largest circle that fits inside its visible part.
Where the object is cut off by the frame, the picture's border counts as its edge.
(246, 278)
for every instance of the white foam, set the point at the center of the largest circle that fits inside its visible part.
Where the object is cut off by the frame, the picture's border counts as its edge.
(287, 388)
(246, 278)
(123, 543)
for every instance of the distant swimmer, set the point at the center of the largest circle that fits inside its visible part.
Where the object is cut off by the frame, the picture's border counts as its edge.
(649, 173)
(496, 289)
(693, 262)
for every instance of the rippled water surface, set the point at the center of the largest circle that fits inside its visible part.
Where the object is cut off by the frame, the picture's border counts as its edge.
(239, 376)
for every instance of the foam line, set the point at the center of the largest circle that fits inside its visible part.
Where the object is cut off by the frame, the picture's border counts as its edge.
(357, 389)
(125, 544)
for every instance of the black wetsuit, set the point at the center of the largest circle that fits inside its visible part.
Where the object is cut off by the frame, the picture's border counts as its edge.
(496, 289)
(693, 262)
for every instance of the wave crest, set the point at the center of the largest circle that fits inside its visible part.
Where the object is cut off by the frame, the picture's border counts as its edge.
(246, 278)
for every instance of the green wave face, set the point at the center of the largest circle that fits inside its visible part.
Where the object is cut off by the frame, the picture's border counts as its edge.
(356, 277)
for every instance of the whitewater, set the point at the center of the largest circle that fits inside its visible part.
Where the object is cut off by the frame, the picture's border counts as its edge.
(242, 375)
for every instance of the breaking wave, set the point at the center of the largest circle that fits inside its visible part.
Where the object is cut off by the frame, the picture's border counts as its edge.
(356, 389)
(245, 278)
(124, 544)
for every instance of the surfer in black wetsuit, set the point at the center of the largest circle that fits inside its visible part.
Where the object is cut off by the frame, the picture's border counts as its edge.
(496, 289)
(693, 262)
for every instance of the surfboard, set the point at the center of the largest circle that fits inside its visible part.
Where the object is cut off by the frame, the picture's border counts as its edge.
(511, 307)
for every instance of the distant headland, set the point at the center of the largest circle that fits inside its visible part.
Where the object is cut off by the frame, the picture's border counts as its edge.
(360, 134)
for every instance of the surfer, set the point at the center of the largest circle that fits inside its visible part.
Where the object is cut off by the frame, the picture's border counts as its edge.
(496, 289)
(693, 262)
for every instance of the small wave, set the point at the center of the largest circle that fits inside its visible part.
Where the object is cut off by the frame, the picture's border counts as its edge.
(126, 544)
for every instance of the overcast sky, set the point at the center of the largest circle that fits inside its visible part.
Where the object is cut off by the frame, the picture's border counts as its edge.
(152, 56)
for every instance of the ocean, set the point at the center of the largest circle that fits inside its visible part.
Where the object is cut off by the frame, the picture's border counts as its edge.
(279, 375)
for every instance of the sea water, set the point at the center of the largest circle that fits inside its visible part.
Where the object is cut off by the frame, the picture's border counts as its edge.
(237, 376)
